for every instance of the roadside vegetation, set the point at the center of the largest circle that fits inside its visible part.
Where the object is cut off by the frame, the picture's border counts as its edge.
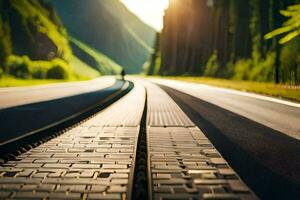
(23, 67)
(9, 81)
(270, 89)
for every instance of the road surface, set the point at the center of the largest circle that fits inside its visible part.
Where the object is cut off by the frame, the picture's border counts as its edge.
(283, 116)
(25, 110)
(16, 96)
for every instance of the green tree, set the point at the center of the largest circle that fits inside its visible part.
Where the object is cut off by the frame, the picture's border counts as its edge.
(5, 41)
(240, 30)
(212, 66)
(291, 28)
(153, 65)
(289, 31)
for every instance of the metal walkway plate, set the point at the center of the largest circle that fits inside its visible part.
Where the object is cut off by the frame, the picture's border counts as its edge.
(163, 111)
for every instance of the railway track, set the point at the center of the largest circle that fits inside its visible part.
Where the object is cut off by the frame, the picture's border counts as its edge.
(142, 146)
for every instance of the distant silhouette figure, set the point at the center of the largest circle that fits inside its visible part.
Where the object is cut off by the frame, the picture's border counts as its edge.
(123, 74)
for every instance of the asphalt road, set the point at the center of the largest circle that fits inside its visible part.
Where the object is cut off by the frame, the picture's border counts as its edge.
(277, 114)
(263, 155)
(16, 96)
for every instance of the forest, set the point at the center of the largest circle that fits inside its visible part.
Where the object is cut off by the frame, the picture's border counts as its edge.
(233, 39)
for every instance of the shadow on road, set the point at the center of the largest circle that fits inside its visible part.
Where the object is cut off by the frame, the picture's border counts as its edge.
(267, 160)
(16, 121)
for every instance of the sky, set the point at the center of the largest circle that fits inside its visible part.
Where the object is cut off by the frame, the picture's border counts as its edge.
(149, 11)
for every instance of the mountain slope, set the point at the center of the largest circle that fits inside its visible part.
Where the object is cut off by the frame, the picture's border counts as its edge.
(118, 10)
(108, 27)
(82, 69)
(100, 62)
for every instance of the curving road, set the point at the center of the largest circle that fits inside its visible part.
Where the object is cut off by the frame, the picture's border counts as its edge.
(16, 96)
(26, 109)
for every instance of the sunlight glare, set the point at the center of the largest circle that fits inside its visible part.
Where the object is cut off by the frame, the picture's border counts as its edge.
(150, 11)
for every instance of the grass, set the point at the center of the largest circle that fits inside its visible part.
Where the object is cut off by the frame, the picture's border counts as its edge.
(81, 72)
(14, 82)
(281, 91)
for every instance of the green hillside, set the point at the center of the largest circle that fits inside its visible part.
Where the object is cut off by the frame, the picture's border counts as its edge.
(33, 42)
(110, 28)
(82, 69)
(100, 62)
(35, 30)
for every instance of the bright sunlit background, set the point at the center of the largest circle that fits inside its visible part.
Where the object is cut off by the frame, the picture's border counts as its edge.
(150, 11)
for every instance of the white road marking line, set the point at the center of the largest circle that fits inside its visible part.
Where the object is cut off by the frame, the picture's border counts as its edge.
(231, 91)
